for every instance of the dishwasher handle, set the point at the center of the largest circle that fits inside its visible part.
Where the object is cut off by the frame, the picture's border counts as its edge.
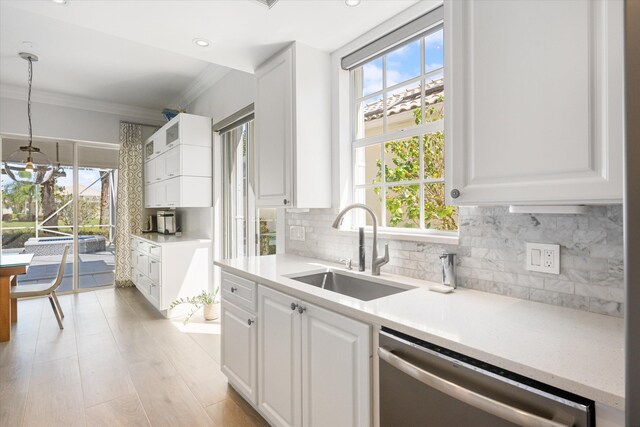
(470, 397)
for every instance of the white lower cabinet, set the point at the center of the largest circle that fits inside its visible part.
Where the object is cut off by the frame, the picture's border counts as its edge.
(279, 358)
(166, 272)
(336, 369)
(314, 365)
(239, 353)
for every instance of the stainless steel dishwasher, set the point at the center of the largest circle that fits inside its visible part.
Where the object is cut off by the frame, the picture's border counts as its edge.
(422, 384)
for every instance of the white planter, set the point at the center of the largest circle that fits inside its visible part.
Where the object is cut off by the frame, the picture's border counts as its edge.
(211, 311)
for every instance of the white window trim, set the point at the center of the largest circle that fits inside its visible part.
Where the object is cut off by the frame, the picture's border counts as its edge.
(342, 132)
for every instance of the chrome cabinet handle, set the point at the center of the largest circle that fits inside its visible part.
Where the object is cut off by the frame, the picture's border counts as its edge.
(294, 306)
(233, 290)
(455, 193)
(249, 322)
(470, 397)
(301, 309)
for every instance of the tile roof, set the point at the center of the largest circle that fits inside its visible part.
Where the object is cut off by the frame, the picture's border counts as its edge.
(405, 101)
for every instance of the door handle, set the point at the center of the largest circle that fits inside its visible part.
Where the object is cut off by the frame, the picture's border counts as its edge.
(470, 397)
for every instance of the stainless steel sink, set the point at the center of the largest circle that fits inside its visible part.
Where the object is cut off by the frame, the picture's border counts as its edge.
(345, 284)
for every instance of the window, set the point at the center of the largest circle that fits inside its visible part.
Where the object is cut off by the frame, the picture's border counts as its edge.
(248, 231)
(398, 135)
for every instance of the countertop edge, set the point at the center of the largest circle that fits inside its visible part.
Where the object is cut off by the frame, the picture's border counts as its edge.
(187, 240)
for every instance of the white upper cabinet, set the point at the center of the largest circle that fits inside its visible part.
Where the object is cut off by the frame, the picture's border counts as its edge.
(178, 171)
(534, 101)
(292, 155)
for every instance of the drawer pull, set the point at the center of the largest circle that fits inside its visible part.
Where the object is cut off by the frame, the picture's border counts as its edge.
(294, 306)
(233, 290)
(249, 322)
(301, 309)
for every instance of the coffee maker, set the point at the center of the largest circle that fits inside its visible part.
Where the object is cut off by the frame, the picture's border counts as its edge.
(166, 222)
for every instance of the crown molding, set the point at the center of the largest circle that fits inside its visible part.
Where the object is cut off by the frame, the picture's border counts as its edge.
(147, 115)
(212, 74)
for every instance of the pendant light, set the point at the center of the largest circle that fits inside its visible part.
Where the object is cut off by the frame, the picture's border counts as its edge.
(58, 171)
(28, 164)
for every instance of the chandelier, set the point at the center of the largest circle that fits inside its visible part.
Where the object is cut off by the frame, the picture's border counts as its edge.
(28, 164)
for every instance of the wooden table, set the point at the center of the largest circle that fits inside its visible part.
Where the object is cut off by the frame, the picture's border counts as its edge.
(10, 266)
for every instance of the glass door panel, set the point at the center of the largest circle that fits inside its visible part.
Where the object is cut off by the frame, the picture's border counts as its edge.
(38, 219)
(97, 178)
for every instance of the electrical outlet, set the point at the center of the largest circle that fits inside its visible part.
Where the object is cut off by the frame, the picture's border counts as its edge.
(543, 258)
(296, 232)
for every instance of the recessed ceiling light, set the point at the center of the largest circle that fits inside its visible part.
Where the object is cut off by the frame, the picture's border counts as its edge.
(352, 3)
(201, 42)
(59, 1)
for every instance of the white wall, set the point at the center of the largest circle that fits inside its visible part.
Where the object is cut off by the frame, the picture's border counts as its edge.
(233, 92)
(55, 121)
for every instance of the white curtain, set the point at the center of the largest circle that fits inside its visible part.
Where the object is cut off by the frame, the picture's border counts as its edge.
(130, 204)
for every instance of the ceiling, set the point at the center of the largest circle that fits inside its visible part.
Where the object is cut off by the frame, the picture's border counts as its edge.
(141, 53)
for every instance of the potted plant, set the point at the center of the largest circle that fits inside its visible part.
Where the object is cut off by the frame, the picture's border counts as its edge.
(207, 300)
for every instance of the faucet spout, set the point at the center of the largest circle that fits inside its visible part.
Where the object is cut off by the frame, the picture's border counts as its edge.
(376, 262)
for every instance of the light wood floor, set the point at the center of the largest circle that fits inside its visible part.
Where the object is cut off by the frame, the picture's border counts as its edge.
(116, 363)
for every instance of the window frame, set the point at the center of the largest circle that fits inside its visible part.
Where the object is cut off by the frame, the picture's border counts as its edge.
(386, 136)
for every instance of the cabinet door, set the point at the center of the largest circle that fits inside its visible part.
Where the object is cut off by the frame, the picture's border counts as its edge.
(274, 131)
(149, 172)
(336, 369)
(239, 353)
(142, 263)
(279, 374)
(149, 195)
(534, 101)
(154, 270)
(154, 293)
(172, 191)
(172, 163)
(172, 135)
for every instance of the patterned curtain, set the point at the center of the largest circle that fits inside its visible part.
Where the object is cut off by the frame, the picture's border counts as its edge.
(129, 204)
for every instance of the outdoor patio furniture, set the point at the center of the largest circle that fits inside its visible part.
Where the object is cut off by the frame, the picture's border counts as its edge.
(48, 289)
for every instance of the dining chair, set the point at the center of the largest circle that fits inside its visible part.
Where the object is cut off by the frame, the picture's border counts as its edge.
(48, 289)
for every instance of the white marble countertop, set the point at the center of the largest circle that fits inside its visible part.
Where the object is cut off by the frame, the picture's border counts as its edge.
(573, 350)
(163, 239)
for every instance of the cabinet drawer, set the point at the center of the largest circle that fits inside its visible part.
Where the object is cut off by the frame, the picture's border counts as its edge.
(133, 243)
(239, 291)
(143, 283)
(142, 263)
(155, 251)
(154, 293)
(154, 271)
(143, 246)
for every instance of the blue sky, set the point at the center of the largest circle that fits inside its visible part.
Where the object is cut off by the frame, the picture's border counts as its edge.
(404, 63)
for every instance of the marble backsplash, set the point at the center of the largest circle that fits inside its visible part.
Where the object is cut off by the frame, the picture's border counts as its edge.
(491, 254)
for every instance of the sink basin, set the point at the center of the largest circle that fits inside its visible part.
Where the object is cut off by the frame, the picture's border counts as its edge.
(353, 286)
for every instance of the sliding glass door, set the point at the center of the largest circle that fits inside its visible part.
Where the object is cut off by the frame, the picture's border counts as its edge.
(248, 231)
(96, 196)
(74, 208)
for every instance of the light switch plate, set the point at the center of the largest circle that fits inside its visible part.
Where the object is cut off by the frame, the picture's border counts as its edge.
(296, 232)
(543, 258)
